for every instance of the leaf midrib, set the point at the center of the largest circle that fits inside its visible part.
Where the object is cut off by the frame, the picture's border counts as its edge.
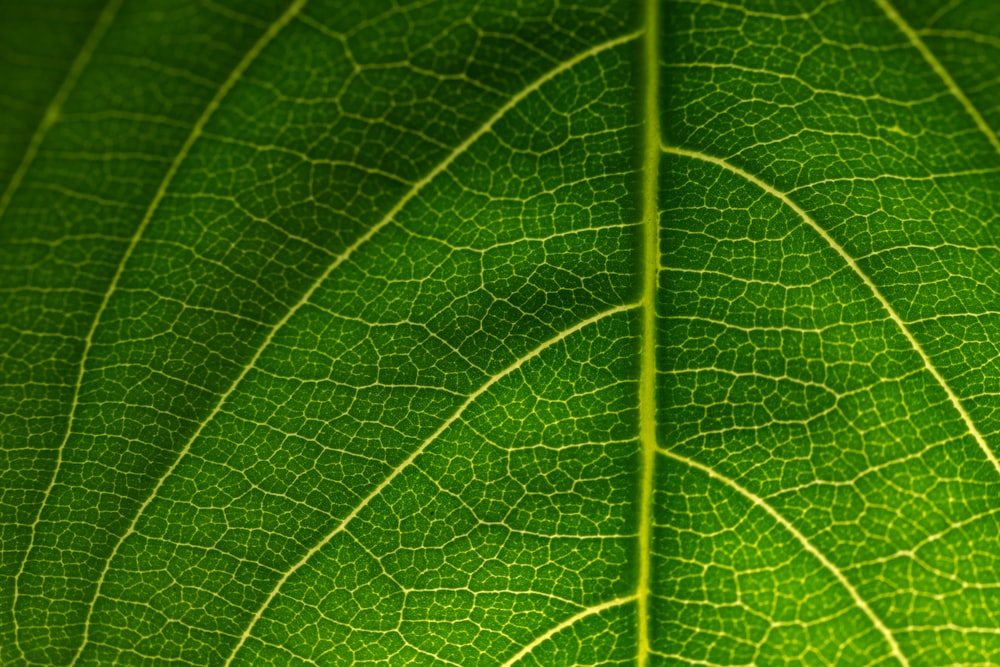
(650, 271)
(650, 278)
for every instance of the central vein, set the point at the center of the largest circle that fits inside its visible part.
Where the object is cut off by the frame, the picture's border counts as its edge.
(647, 368)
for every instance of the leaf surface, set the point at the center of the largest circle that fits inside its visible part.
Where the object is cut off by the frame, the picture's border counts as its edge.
(493, 334)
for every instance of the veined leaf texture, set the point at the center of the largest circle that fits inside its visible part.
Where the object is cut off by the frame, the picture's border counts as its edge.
(535, 332)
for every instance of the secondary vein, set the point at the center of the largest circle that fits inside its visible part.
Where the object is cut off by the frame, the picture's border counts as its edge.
(806, 544)
(196, 131)
(940, 70)
(850, 261)
(398, 470)
(51, 114)
(339, 260)
(568, 623)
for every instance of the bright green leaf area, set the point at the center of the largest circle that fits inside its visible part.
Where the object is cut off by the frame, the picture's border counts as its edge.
(440, 332)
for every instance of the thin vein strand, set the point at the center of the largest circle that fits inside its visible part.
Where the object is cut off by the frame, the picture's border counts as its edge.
(568, 623)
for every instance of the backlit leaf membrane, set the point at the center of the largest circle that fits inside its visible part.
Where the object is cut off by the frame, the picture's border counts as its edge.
(499, 333)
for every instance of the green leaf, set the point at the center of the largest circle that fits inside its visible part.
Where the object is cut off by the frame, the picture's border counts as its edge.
(536, 333)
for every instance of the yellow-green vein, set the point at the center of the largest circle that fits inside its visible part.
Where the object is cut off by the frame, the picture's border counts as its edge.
(339, 528)
(650, 276)
(940, 70)
(569, 622)
(890, 311)
(806, 545)
(338, 261)
(104, 20)
(195, 133)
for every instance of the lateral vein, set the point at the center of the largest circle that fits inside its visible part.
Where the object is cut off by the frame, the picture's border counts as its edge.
(398, 470)
(806, 544)
(293, 9)
(51, 115)
(940, 70)
(890, 311)
(341, 258)
(569, 622)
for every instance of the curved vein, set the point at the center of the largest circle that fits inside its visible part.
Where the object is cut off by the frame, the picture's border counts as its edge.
(339, 260)
(340, 527)
(893, 315)
(940, 70)
(806, 544)
(182, 154)
(569, 622)
(51, 115)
